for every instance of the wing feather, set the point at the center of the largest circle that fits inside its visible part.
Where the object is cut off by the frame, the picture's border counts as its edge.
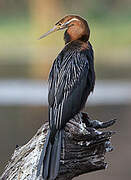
(66, 86)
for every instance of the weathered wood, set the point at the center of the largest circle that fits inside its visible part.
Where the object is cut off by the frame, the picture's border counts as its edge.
(83, 150)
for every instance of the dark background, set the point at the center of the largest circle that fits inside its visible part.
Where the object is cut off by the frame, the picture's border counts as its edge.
(23, 57)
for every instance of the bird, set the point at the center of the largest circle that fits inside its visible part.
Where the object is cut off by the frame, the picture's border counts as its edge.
(71, 80)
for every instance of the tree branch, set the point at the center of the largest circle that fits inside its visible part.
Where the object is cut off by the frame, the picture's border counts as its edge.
(83, 150)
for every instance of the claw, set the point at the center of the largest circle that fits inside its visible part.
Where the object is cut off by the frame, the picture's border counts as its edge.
(108, 123)
(97, 124)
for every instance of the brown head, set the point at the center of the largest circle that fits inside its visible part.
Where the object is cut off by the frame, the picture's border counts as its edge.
(76, 28)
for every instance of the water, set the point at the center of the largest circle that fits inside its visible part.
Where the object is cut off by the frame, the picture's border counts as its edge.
(20, 123)
(31, 92)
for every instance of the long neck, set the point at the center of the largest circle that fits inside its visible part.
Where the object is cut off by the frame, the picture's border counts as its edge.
(67, 37)
(75, 33)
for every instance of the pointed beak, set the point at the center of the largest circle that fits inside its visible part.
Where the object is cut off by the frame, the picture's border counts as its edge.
(54, 29)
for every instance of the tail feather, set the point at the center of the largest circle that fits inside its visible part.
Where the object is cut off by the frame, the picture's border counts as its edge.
(50, 157)
(55, 156)
(46, 162)
(46, 148)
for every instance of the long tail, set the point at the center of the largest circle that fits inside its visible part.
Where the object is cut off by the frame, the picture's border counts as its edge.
(50, 156)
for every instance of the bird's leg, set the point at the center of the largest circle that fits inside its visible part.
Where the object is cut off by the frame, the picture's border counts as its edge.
(83, 130)
(95, 123)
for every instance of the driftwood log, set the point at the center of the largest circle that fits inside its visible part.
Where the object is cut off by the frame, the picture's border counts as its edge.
(83, 150)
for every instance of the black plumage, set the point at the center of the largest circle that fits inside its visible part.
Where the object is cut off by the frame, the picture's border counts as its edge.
(71, 80)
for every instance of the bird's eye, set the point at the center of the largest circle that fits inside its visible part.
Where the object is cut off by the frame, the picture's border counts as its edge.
(60, 23)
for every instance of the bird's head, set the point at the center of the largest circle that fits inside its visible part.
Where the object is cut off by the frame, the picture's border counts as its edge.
(76, 28)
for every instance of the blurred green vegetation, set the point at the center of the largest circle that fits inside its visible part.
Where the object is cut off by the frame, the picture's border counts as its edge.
(23, 22)
(106, 34)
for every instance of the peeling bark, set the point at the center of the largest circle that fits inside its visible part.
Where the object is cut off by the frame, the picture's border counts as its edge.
(83, 150)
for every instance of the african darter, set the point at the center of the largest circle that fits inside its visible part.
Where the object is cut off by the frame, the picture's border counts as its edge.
(71, 80)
